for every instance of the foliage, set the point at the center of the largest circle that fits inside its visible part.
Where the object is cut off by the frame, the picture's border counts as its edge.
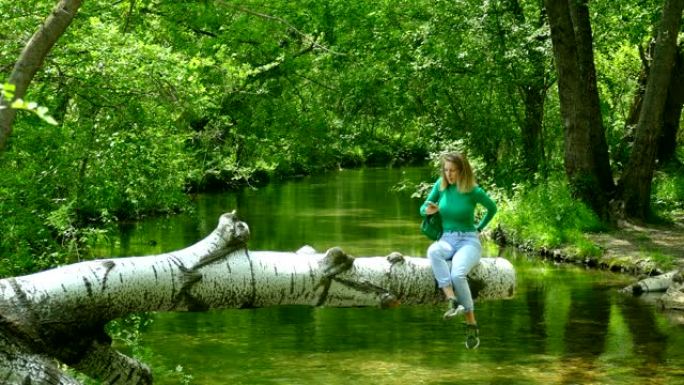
(669, 192)
(618, 64)
(126, 335)
(547, 216)
(581, 246)
(152, 100)
(39, 223)
(7, 93)
(155, 99)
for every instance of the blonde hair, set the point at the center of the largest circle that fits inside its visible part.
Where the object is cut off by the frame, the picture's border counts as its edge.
(465, 181)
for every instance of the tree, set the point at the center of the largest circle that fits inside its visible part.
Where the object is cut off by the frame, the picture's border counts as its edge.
(667, 142)
(586, 151)
(635, 183)
(60, 313)
(517, 49)
(31, 59)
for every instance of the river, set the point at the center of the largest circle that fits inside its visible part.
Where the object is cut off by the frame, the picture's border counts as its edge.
(565, 325)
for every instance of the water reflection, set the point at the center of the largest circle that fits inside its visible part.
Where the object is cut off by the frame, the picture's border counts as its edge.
(564, 326)
(647, 340)
(582, 333)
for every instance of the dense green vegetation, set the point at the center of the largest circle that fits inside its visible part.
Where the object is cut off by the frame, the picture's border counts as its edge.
(156, 100)
(547, 216)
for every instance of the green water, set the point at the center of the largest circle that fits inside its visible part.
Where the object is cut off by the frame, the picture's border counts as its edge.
(566, 325)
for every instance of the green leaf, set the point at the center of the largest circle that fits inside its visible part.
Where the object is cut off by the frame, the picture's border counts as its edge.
(8, 87)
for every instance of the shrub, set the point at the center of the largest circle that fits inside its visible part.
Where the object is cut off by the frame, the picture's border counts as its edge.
(546, 215)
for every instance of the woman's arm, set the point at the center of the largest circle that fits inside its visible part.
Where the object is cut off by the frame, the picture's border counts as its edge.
(489, 205)
(432, 197)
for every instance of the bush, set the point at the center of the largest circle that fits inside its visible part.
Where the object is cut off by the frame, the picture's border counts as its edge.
(668, 192)
(547, 216)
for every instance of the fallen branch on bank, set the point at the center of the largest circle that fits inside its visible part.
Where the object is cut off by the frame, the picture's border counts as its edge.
(671, 284)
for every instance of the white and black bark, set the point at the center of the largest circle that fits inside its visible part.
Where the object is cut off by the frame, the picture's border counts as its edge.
(60, 313)
(671, 287)
(658, 283)
(31, 59)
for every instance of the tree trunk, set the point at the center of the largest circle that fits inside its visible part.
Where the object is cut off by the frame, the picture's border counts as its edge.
(667, 142)
(31, 59)
(579, 12)
(585, 163)
(621, 155)
(61, 313)
(636, 181)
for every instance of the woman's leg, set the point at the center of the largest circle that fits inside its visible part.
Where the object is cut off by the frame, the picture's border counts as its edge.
(466, 257)
(438, 254)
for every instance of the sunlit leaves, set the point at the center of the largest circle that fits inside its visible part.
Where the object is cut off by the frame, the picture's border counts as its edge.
(7, 91)
(40, 111)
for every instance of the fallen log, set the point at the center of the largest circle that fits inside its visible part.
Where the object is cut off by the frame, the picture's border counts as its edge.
(671, 284)
(659, 283)
(61, 313)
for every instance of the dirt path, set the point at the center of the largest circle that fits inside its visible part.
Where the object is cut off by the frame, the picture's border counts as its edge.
(643, 248)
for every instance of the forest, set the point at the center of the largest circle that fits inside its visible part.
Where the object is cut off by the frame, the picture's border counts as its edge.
(114, 111)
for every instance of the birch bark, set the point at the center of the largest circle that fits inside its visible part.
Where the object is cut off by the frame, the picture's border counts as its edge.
(61, 313)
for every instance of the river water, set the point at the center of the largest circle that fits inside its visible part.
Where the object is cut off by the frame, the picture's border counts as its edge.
(565, 325)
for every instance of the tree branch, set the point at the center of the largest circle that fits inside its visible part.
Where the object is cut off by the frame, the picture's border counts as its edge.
(32, 57)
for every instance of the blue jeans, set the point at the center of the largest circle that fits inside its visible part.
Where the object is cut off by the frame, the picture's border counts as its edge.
(463, 249)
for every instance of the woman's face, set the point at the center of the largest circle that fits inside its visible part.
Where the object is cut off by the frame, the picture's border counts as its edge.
(451, 172)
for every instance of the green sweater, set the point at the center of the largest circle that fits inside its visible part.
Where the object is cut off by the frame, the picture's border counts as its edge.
(458, 209)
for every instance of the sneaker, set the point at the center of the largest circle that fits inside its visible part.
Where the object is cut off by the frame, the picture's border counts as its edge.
(454, 310)
(472, 336)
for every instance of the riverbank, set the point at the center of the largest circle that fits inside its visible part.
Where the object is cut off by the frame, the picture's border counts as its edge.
(638, 249)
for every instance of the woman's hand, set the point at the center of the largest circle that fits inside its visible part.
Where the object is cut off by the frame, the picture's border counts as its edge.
(431, 208)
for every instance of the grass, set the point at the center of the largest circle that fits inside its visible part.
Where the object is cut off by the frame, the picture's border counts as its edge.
(547, 216)
(663, 260)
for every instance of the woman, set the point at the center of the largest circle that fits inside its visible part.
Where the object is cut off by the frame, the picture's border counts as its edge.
(455, 196)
